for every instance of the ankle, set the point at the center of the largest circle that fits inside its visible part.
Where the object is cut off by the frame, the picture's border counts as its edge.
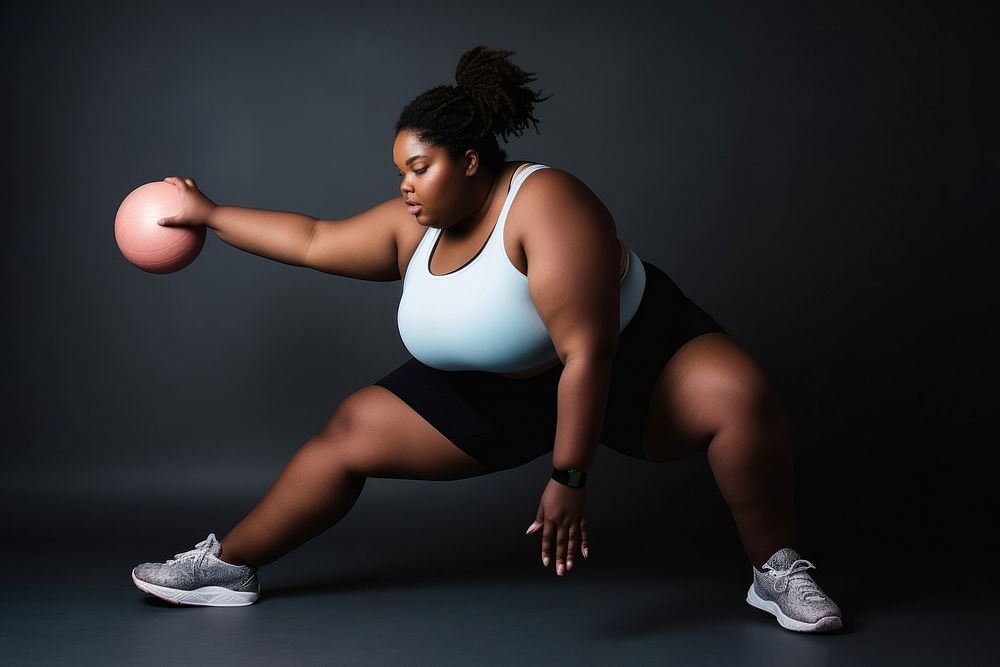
(231, 558)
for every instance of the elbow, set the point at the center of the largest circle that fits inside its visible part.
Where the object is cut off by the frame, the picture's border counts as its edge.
(598, 353)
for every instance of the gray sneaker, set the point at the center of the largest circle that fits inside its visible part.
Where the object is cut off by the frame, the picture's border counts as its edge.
(787, 591)
(198, 577)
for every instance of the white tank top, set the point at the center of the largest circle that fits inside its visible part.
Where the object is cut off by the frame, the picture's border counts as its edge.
(481, 316)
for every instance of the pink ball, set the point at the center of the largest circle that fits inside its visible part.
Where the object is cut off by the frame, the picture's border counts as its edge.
(149, 246)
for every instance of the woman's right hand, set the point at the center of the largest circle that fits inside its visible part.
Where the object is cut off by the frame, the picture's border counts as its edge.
(195, 207)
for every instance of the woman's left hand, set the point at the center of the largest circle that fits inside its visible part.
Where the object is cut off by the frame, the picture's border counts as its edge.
(560, 515)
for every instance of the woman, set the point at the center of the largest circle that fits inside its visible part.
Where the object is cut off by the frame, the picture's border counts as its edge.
(533, 329)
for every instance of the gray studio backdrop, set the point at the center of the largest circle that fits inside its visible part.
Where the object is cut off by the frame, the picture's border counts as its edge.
(815, 175)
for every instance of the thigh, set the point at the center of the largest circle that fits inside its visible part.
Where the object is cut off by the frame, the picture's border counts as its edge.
(380, 435)
(708, 383)
(667, 320)
(680, 417)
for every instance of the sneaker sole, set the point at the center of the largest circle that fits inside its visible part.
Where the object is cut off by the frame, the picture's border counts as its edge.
(825, 624)
(206, 596)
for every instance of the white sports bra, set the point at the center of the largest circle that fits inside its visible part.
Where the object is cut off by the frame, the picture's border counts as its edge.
(481, 316)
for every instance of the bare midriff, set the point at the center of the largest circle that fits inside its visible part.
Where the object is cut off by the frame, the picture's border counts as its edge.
(538, 370)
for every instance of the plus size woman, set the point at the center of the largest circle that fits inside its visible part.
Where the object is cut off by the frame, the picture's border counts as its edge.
(534, 330)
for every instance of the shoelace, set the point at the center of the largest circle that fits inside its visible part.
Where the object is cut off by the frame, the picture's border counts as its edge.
(805, 586)
(199, 552)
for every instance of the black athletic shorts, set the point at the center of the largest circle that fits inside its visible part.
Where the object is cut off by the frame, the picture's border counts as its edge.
(506, 422)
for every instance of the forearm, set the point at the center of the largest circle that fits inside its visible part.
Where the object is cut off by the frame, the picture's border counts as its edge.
(582, 401)
(278, 235)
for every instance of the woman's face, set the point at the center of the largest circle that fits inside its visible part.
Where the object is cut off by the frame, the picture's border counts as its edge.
(431, 179)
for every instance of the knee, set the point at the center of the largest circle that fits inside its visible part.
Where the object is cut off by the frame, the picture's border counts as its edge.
(756, 405)
(338, 428)
(353, 419)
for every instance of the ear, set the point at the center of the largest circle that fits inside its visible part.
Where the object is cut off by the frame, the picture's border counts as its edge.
(471, 162)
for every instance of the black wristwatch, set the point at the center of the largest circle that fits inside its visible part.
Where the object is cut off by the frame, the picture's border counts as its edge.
(572, 478)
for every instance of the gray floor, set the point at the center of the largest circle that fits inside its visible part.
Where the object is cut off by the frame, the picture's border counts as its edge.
(378, 590)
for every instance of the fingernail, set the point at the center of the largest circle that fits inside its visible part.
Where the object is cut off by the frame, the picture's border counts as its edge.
(529, 529)
(559, 569)
(569, 564)
(545, 561)
(585, 553)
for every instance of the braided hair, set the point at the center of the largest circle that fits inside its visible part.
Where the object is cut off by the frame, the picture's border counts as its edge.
(492, 97)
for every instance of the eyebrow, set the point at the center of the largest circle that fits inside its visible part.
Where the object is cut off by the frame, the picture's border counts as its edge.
(412, 159)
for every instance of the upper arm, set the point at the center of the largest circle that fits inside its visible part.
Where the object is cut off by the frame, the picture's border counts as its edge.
(363, 246)
(573, 256)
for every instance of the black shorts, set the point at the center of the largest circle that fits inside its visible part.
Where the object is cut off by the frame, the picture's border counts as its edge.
(506, 422)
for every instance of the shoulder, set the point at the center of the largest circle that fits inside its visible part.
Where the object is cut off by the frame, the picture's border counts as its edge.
(553, 183)
(560, 201)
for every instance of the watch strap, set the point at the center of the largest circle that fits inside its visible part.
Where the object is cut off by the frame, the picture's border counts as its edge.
(572, 478)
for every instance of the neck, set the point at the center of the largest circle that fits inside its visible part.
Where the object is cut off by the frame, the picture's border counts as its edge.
(467, 226)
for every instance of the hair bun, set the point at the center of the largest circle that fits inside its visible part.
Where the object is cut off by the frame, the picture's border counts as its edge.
(497, 90)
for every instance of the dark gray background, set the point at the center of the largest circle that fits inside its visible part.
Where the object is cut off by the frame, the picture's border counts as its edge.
(821, 177)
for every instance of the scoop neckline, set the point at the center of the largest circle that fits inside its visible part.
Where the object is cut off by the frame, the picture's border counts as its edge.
(437, 237)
